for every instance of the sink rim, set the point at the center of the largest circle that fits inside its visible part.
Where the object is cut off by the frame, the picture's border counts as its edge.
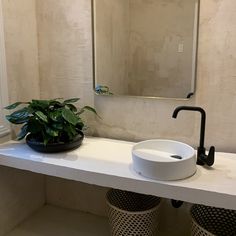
(137, 145)
(147, 165)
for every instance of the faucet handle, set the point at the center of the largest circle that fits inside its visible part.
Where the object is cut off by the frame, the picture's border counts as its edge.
(210, 159)
(206, 159)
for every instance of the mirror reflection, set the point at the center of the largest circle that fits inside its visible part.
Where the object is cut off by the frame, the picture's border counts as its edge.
(145, 47)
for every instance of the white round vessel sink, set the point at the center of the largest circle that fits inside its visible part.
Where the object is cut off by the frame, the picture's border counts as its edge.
(161, 159)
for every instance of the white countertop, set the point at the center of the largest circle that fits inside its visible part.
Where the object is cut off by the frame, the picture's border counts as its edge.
(107, 162)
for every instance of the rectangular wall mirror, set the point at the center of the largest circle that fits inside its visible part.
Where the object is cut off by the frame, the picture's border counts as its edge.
(145, 47)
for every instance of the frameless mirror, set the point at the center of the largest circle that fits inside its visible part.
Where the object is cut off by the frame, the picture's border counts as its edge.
(145, 47)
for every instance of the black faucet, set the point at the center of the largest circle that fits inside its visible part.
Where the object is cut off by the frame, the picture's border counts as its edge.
(202, 158)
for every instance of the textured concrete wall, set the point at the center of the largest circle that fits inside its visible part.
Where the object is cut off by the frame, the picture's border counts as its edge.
(21, 193)
(217, 72)
(76, 195)
(137, 118)
(140, 119)
(21, 49)
(65, 55)
(66, 70)
(21, 43)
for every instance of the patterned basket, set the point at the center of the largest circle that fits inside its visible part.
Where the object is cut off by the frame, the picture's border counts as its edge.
(132, 213)
(211, 221)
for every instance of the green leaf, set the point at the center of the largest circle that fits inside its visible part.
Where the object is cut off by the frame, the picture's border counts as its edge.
(70, 131)
(56, 115)
(56, 99)
(88, 108)
(20, 114)
(16, 121)
(51, 132)
(14, 105)
(69, 116)
(50, 120)
(40, 104)
(56, 104)
(72, 100)
(19, 117)
(41, 116)
(23, 132)
(80, 125)
(57, 126)
(34, 126)
(46, 138)
(72, 107)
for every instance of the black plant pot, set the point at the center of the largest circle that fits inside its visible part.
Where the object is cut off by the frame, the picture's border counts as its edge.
(54, 147)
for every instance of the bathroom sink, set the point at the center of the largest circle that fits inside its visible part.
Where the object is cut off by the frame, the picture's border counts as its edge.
(164, 159)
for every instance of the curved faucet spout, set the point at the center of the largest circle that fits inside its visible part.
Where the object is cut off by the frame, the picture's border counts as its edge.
(203, 120)
(202, 157)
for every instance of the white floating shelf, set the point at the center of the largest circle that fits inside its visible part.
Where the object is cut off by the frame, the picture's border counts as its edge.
(108, 163)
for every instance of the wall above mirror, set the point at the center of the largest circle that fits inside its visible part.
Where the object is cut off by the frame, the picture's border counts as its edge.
(145, 47)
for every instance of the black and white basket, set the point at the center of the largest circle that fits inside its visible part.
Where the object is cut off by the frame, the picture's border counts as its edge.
(212, 221)
(132, 213)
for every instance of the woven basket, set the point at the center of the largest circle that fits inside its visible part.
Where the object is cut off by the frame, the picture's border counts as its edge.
(212, 221)
(132, 214)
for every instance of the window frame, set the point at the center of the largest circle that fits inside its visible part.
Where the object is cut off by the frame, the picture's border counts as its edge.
(4, 126)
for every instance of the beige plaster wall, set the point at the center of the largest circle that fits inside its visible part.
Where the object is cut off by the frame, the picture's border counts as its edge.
(65, 54)
(21, 49)
(21, 193)
(76, 195)
(66, 70)
(90, 198)
(137, 118)
(217, 72)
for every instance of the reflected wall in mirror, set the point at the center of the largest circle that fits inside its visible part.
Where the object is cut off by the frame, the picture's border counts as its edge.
(145, 47)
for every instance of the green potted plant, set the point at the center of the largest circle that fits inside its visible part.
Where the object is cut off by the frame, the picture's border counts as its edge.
(49, 125)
